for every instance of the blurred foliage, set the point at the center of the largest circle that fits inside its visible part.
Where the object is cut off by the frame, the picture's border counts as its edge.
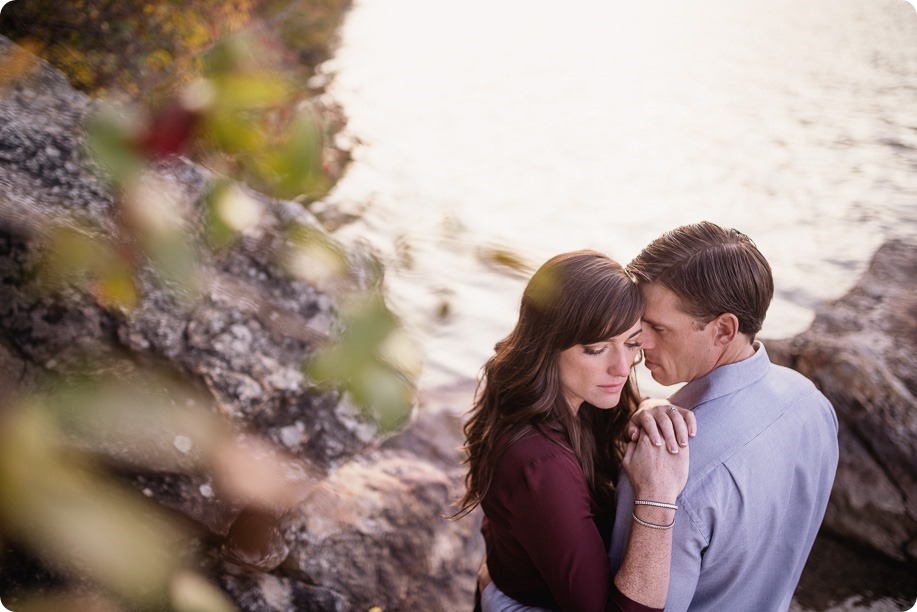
(225, 112)
(153, 46)
(57, 499)
(156, 51)
(371, 361)
(254, 124)
(131, 46)
(230, 112)
(246, 120)
(505, 260)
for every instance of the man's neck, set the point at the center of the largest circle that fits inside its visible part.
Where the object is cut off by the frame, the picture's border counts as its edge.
(737, 351)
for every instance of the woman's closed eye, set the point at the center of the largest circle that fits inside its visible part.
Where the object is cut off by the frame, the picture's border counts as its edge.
(594, 350)
(633, 345)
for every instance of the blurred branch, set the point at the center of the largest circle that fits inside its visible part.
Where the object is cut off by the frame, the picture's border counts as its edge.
(60, 449)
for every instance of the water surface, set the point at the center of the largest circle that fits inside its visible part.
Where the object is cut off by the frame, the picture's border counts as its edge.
(544, 127)
(597, 124)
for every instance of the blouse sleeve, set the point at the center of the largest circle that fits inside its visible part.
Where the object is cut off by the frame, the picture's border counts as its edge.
(622, 603)
(553, 521)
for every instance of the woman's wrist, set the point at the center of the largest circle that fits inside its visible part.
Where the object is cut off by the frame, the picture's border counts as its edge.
(660, 494)
(658, 504)
(654, 514)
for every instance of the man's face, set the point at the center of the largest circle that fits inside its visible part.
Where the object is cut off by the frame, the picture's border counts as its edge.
(681, 351)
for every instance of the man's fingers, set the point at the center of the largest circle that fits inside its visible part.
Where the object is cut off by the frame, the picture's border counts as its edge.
(664, 424)
(690, 421)
(648, 424)
(667, 428)
(680, 426)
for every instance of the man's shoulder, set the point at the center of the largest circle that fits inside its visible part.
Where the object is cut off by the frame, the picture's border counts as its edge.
(793, 390)
(789, 377)
(769, 386)
(769, 410)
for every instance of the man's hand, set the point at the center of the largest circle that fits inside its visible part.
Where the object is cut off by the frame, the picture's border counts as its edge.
(483, 575)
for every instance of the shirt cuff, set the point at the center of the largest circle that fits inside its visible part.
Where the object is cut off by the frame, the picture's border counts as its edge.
(623, 603)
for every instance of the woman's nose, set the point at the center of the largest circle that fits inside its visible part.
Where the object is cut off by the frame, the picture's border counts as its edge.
(620, 364)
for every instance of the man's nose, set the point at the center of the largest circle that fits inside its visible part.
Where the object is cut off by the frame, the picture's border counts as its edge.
(648, 336)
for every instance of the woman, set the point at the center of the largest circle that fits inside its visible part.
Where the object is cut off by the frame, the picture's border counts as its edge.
(546, 439)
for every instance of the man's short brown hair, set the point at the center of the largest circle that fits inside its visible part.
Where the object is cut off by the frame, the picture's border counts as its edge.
(713, 270)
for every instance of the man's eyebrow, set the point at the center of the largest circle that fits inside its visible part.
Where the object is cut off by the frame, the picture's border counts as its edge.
(651, 322)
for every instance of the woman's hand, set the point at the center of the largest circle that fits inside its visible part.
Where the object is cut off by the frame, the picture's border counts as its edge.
(662, 421)
(656, 474)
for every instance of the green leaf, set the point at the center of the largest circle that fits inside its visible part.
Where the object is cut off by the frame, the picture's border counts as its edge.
(256, 91)
(360, 364)
(112, 139)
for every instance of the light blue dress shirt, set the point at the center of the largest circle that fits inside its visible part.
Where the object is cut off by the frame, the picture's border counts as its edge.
(762, 467)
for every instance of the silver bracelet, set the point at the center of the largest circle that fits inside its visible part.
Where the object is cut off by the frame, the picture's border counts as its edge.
(653, 525)
(641, 502)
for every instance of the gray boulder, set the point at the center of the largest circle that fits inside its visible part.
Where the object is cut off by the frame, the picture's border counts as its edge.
(245, 340)
(861, 351)
(369, 529)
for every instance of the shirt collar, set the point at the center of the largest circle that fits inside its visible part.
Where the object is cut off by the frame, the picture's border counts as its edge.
(723, 380)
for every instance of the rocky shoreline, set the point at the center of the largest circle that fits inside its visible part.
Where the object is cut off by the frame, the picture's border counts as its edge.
(861, 351)
(372, 532)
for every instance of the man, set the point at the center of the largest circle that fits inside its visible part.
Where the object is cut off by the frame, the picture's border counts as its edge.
(765, 454)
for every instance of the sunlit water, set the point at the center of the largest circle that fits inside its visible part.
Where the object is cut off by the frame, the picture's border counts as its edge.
(544, 127)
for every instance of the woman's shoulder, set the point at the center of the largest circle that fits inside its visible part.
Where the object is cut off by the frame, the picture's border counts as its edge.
(536, 461)
(532, 446)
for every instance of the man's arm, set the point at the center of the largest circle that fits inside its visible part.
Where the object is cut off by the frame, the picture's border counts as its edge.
(687, 551)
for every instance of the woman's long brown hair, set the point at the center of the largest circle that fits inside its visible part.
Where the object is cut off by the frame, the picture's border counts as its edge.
(581, 297)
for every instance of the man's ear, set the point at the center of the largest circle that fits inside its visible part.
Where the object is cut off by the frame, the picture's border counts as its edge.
(725, 328)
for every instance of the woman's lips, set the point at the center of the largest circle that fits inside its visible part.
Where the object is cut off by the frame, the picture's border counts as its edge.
(613, 387)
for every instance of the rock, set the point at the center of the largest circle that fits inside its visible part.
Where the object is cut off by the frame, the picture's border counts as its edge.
(861, 351)
(373, 532)
(245, 341)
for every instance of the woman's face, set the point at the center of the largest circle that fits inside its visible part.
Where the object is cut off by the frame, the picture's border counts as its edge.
(596, 373)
